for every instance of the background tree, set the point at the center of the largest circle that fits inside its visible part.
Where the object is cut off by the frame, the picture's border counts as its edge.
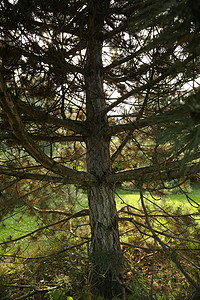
(90, 74)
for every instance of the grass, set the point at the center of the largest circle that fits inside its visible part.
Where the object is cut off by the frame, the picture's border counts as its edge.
(132, 197)
(180, 199)
(124, 197)
(17, 224)
(175, 200)
(20, 222)
(68, 270)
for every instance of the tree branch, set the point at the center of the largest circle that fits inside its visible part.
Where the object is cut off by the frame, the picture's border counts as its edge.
(172, 171)
(52, 139)
(34, 176)
(85, 211)
(120, 148)
(173, 70)
(37, 291)
(19, 131)
(148, 121)
(42, 116)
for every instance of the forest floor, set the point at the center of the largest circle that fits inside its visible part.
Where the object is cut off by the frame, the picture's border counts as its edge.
(52, 262)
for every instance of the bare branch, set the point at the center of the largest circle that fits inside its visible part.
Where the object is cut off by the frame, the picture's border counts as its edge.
(120, 148)
(59, 212)
(140, 123)
(37, 291)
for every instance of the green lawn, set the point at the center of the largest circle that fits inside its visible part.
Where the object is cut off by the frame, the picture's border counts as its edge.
(132, 197)
(17, 224)
(20, 223)
(175, 200)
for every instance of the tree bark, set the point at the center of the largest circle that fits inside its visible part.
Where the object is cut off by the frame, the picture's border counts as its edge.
(107, 259)
(106, 253)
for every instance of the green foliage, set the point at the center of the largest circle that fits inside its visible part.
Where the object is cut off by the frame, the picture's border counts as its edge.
(182, 137)
(58, 295)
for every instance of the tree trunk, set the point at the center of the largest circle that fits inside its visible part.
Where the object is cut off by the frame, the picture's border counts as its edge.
(107, 259)
(105, 246)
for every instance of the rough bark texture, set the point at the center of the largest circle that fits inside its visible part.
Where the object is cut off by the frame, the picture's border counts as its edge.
(106, 252)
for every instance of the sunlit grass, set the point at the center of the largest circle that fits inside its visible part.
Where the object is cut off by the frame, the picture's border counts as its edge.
(19, 222)
(132, 197)
(124, 197)
(174, 200)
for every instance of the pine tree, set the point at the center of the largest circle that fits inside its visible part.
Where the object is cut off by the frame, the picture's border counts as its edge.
(90, 72)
